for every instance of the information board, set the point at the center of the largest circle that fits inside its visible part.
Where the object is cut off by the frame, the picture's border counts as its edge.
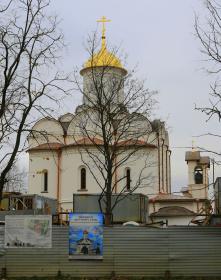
(86, 236)
(28, 231)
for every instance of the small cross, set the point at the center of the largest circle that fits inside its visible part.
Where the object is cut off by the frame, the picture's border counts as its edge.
(103, 20)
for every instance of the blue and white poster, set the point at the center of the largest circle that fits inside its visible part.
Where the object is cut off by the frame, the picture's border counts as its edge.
(86, 236)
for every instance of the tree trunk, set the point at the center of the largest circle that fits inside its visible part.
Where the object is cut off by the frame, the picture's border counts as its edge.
(1, 191)
(108, 213)
(108, 219)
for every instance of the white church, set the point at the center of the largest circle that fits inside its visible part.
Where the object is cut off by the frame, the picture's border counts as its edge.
(57, 166)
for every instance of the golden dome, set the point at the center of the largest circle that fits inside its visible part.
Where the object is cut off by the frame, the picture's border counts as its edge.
(103, 57)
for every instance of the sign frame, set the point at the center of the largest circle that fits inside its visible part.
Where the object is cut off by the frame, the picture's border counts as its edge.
(28, 231)
(86, 236)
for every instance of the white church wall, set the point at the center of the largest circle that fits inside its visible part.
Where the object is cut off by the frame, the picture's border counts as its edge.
(70, 176)
(38, 163)
(144, 163)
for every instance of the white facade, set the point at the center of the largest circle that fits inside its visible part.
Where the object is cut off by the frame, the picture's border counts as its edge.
(63, 163)
(57, 152)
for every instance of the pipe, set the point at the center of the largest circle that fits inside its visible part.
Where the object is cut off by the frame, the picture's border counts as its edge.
(206, 182)
(167, 168)
(170, 170)
(115, 174)
(158, 143)
(115, 162)
(58, 179)
(197, 205)
(162, 155)
(213, 172)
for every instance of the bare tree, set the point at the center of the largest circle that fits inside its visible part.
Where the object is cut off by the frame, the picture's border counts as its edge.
(30, 42)
(208, 32)
(112, 125)
(16, 180)
(210, 39)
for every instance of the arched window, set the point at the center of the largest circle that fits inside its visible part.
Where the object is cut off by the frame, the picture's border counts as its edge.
(198, 175)
(128, 179)
(45, 180)
(83, 178)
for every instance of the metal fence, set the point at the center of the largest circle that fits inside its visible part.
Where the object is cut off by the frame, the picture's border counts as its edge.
(128, 251)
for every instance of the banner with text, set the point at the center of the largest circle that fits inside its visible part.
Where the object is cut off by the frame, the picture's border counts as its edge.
(86, 236)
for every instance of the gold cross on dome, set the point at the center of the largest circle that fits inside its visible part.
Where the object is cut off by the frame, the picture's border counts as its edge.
(103, 20)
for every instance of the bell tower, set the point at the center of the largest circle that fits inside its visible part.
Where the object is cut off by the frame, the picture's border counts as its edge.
(197, 174)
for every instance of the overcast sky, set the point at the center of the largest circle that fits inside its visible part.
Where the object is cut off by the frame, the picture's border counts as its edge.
(158, 36)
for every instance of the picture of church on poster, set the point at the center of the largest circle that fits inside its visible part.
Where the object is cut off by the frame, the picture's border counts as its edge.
(85, 246)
